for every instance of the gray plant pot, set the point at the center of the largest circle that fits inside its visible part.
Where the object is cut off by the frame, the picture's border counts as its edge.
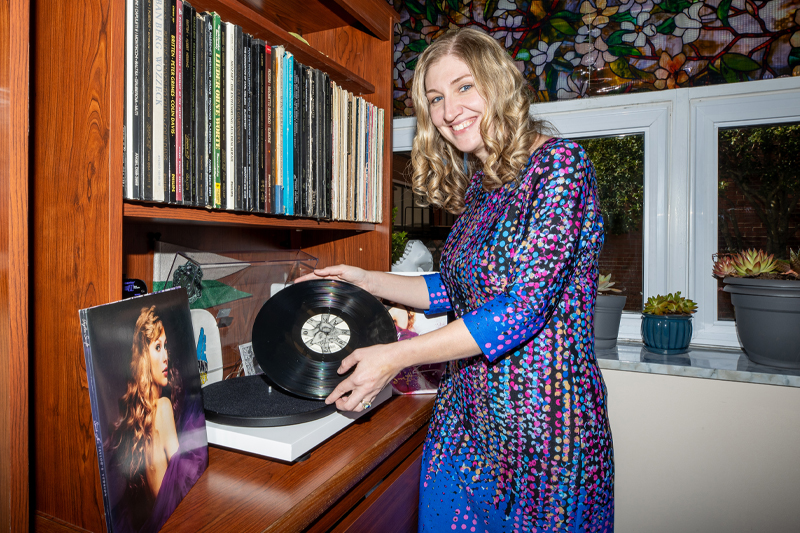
(767, 319)
(607, 314)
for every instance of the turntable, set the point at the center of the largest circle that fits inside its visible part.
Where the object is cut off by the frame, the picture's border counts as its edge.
(300, 334)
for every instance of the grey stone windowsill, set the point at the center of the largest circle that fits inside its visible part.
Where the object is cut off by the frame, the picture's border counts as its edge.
(700, 362)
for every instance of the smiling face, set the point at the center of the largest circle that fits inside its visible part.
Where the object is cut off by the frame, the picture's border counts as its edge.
(159, 360)
(455, 106)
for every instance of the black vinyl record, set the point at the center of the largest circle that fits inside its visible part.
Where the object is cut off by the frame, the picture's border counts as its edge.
(302, 334)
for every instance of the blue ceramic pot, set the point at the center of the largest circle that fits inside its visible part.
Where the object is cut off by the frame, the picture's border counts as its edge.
(667, 334)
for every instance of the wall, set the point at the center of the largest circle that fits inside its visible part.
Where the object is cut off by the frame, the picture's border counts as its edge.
(701, 455)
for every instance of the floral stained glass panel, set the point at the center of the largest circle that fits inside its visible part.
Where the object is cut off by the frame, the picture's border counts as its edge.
(577, 48)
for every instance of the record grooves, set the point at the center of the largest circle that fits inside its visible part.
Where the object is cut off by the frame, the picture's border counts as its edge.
(302, 334)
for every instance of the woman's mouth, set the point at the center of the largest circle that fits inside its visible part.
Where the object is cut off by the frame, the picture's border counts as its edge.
(463, 125)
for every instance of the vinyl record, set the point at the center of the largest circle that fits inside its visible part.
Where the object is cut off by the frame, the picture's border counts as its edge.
(302, 334)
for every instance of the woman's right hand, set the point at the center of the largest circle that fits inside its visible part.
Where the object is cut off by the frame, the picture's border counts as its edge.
(357, 276)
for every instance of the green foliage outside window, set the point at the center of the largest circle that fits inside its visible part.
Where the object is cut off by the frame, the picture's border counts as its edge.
(619, 163)
(763, 164)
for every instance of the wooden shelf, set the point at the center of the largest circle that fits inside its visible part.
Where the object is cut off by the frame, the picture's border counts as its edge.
(200, 216)
(256, 24)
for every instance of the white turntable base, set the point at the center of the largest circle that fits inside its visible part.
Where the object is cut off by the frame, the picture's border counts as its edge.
(286, 443)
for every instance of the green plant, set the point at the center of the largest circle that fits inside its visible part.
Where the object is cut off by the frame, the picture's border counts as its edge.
(399, 240)
(671, 304)
(604, 284)
(751, 263)
(790, 267)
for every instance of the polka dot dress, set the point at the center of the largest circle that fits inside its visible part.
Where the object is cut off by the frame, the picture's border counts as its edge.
(519, 439)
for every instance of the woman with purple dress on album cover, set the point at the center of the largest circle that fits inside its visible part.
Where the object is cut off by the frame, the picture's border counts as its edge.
(158, 467)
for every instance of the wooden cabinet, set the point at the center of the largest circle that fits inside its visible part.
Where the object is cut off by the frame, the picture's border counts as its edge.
(84, 238)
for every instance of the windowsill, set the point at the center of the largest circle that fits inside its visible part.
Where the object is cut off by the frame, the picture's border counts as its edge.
(727, 364)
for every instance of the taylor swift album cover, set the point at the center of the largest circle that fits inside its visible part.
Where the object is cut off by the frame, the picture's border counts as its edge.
(147, 408)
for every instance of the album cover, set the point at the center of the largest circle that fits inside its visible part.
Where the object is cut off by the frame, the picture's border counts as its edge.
(147, 409)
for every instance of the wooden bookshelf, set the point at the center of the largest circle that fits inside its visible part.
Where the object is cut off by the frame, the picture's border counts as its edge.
(84, 237)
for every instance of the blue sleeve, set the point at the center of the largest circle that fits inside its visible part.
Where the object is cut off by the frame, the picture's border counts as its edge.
(544, 261)
(437, 294)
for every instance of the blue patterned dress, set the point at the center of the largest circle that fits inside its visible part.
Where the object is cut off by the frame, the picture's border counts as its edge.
(519, 439)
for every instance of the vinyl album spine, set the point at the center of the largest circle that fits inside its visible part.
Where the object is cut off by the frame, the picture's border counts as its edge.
(170, 161)
(96, 416)
(217, 123)
(277, 147)
(269, 114)
(132, 126)
(168, 152)
(288, 135)
(257, 95)
(178, 110)
(147, 100)
(297, 130)
(189, 74)
(226, 139)
(328, 145)
(208, 24)
(159, 134)
(314, 145)
(308, 141)
(248, 111)
(240, 125)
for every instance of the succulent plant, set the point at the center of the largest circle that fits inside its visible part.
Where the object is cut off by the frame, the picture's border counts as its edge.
(604, 284)
(791, 267)
(751, 263)
(723, 266)
(671, 304)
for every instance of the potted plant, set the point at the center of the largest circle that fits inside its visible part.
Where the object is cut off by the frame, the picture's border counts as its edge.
(667, 323)
(765, 293)
(607, 313)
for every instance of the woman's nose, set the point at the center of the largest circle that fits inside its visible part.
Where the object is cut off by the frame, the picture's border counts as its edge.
(451, 109)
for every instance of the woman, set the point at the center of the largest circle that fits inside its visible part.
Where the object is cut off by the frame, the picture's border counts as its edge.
(145, 438)
(519, 439)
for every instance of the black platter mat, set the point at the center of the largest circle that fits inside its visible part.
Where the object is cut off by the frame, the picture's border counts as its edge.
(253, 401)
(302, 334)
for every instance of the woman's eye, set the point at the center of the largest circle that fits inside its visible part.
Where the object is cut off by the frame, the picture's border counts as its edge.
(465, 88)
(435, 99)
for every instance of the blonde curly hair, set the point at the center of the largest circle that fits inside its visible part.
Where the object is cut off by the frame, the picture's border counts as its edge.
(507, 127)
(132, 434)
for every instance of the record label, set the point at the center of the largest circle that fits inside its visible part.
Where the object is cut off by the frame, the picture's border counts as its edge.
(325, 333)
(302, 334)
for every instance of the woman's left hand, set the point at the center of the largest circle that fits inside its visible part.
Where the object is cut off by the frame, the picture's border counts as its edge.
(374, 370)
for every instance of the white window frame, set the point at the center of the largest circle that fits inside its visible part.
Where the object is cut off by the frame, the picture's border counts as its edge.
(774, 102)
(680, 127)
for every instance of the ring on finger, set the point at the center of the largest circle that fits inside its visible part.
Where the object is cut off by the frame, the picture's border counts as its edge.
(366, 404)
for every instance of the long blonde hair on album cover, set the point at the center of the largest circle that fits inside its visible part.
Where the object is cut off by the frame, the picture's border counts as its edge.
(132, 435)
(508, 129)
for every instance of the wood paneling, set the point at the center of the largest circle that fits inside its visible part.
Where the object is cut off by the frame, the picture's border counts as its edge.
(14, 472)
(77, 70)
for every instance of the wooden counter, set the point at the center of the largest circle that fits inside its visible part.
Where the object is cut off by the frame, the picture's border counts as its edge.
(245, 493)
